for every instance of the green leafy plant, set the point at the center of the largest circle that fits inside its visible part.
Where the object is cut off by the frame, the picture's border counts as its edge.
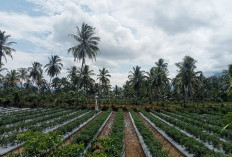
(68, 150)
(37, 144)
(228, 120)
(154, 146)
(103, 146)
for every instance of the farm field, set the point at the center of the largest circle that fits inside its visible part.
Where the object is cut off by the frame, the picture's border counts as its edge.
(117, 132)
(115, 78)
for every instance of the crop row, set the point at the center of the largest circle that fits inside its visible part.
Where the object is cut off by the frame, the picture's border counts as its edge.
(20, 126)
(206, 119)
(28, 112)
(73, 124)
(154, 146)
(4, 111)
(117, 134)
(209, 128)
(4, 141)
(198, 133)
(6, 120)
(90, 131)
(192, 145)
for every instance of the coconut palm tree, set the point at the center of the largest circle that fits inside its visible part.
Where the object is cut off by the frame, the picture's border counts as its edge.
(1, 70)
(86, 80)
(56, 83)
(5, 46)
(53, 68)
(23, 75)
(87, 44)
(117, 91)
(11, 78)
(161, 64)
(104, 80)
(72, 72)
(186, 77)
(64, 84)
(42, 84)
(200, 87)
(28, 84)
(158, 79)
(73, 75)
(136, 78)
(35, 71)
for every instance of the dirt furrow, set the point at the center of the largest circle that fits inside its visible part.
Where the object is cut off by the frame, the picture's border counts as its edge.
(172, 151)
(133, 147)
(108, 126)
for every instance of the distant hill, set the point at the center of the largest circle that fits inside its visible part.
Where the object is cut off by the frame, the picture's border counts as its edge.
(218, 74)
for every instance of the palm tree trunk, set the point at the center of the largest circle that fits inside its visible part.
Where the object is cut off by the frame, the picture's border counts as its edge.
(157, 96)
(82, 64)
(50, 84)
(137, 94)
(184, 97)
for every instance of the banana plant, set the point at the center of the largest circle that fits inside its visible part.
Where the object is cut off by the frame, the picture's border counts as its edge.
(228, 120)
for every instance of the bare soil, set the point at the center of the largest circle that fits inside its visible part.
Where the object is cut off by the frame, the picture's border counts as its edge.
(133, 147)
(167, 146)
(106, 130)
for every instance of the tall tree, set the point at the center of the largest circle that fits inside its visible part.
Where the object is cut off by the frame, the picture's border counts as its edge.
(23, 75)
(104, 80)
(72, 72)
(5, 46)
(158, 79)
(86, 80)
(136, 78)
(11, 78)
(117, 91)
(56, 83)
(73, 75)
(53, 68)
(41, 83)
(87, 44)
(1, 69)
(186, 77)
(161, 64)
(35, 71)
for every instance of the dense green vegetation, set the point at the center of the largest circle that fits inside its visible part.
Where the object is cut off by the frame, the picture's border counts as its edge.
(191, 144)
(154, 146)
(28, 87)
(111, 146)
(185, 101)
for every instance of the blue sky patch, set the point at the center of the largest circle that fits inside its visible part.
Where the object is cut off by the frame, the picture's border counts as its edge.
(20, 6)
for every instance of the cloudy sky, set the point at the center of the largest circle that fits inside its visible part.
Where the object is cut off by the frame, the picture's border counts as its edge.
(133, 32)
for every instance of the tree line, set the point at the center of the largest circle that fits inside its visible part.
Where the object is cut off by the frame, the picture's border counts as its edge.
(28, 86)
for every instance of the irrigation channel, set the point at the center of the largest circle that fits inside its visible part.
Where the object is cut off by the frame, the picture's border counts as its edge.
(133, 147)
(105, 132)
